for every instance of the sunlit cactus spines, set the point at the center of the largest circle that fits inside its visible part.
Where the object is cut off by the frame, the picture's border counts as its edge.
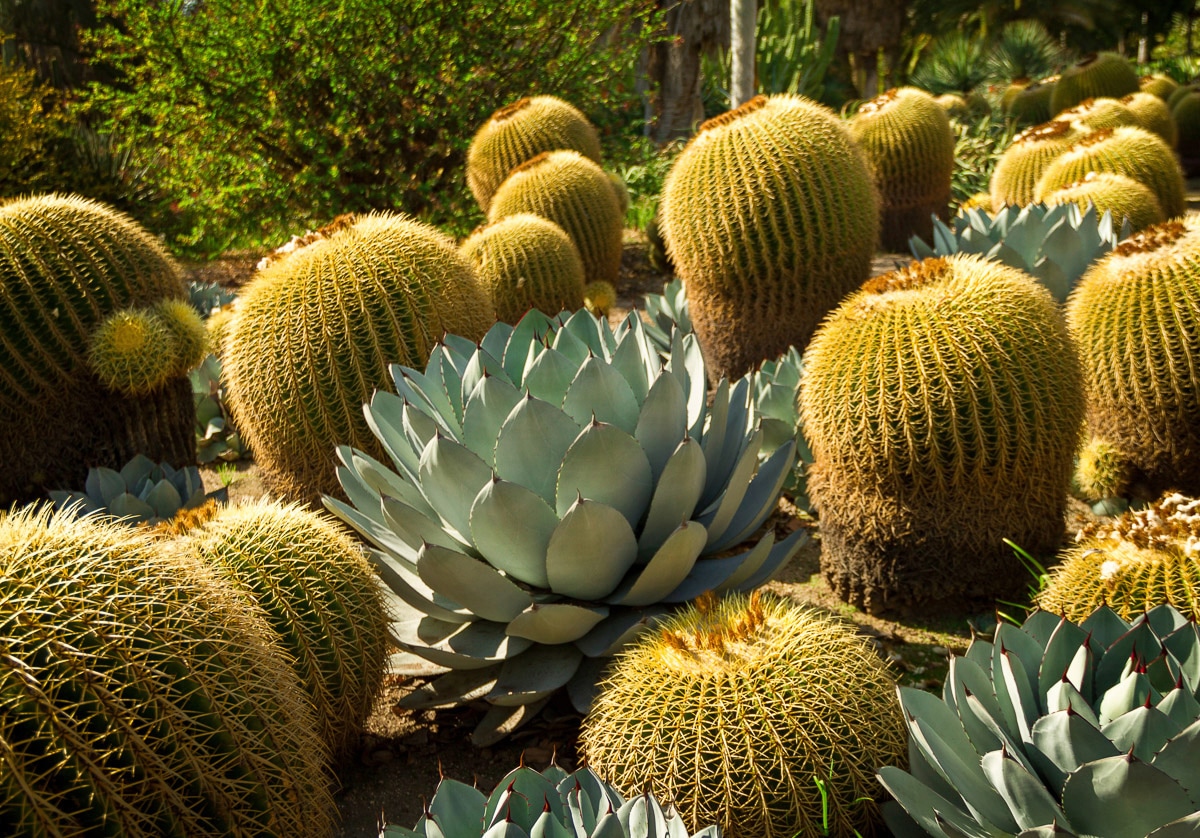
(1103, 74)
(1021, 165)
(1153, 114)
(134, 352)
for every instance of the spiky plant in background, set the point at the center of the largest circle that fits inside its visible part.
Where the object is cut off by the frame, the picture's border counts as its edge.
(141, 492)
(909, 145)
(557, 490)
(315, 330)
(1058, 729)
(927, 459)
(1136, 320)
(953, 104)
(1146, 558)
(1024, 49)
(1152, 114)
(977, 149)
(521, 131)
(954, 64)
(573, 192)
(730, 711)
(216, 436)
(578, 804)
(1102, 74)
(319, 596)
(761, 274)
(141, 697)
(1021, 165)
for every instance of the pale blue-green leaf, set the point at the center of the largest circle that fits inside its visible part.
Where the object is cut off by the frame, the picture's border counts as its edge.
(448, 367)
(132, 473)
(608, 826)
(1051, 275)
(919, 249)
(419, 429)
(1104, 626)
(583, 686)
(642, 816)
(491, 402)
(925, 806)
(505, 829)
(531, 446)
(405, 585)
(590, 330)
(1131, 692)
(1026, 796)
(1145, 730)
(1140, 641)
(662, 422)
(456, 807)
(164, 499)
(427, 395)
(530, 332)
(714, 437)
(675, 496)
(606, 464)
(1062, 694)
(499, 722)
(942, 747)
(481, 365)
(372, 527)
(1180, 705)
(966, 676)
(1178, 759)
(126, 505)
(1187, 827)
(697, 388)
(1062, 742)
(572, 348)
(511, 528)
(462, 646)
(535, 674)
(105, 483)
(752, 560)
(600, 391)
(415, 527)
(1061, 645)
(549, 375)
(472, 583)
(385, 418)
(617, 631)
(760, 499)
(780, 555)
(495, 341)
(739, 426)
(451, 476)
(549, 826)
(556, 622)
(717, 519)
(1183, 644)
(669, 566)
(706, 575)
(1101, 798)
(357, 491)
(590, 551)
(1027, 642)
(629, 361)
(1016, 697)
(458, 686)
(1165, 619)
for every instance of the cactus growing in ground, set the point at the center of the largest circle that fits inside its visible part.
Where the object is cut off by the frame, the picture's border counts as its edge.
(1102, 475)
(1104, 74)
(573, 192)
(141, 697)
(731, 708)
(599, 297)
(520, 132)
(1152, 114)
(1144, 559)
(1031, 105)
(1135, 317)
(1123, 198)
(1158, 85)
(908, 142)
(1022, 163)
(1099, 113)
(320, 597)
(1130, 151)
(524, 262)
(927, 458)
(133, 352)
(1186, 114)
(315, 330)
(189, 334)
(761, 274)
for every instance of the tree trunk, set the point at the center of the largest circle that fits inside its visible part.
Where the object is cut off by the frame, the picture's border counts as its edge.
(867, 26)
(743, 14)
(694, 27)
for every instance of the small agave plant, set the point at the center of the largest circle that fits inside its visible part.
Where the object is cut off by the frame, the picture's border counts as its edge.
(141, 492)
(1058, 729)
(557, 489)
(1055, 245)
(552, 803)
(216, 437)
(208, 297)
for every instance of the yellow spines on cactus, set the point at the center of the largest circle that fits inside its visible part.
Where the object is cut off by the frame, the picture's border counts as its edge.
(1103, 74)
(942, 404)
(188, 333)
(1022, 163)
(730, 709)
(134, 352)
(621, 191)
(142, 697)
(1122, 196)
(1157, 84)
(760, 274)
(953, 104)
(1142, 560)
(320, 597)
(1133, 152)
(1135, 316)
(217, 326)
(525, 261)
(1101, 471)
(1152, 114)
(907, 140)
(521, 131)
(314, 333)
(1099, 113)
(573, 192)
(1031, 105)
(599, 297)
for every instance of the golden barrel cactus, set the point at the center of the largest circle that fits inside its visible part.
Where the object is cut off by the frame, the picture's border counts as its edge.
(1135, 316)
(1096, 75)
(732, 707)
(525, 261)
(760, 274)
(573, 192)
(942, 404)
(1158, 84)
(1122, 196)
(1186, 114)
(1031, 104)
(909, 144)
(521, 131)
(1023, 162)
(1133, 152)
(1152, 114)
(1099, 113)
(314, 332)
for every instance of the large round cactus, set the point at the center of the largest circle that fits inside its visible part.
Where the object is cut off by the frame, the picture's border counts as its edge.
(141, 697)
(942, 404)
(1099, 113)
(1152, 114)
(1122, 196)
(1186, 114)
(908, 142)
(760, 274)
(730, 709)
(524, 262)
(1022, 163)
(314, 332)
(320, 597)
(1031, 105)
(1129, 151)
(520, 132)
(1158, 84)
(1103, 74)
(1135, 316)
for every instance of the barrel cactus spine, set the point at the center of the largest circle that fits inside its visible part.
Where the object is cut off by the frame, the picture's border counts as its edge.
(1158, 84)
(1102, 112)
(133, 352)
(1023, 162)
(1102, 74)
(761, 274)
(188, 333)
(314, 331)
(1031, 105)
(1102, 474)
(520, 131)
(1153, 114)
(917, 492)
(1121, 196)
(1186, 114)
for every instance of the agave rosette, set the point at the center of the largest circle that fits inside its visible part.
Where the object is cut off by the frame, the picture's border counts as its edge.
(556, 489)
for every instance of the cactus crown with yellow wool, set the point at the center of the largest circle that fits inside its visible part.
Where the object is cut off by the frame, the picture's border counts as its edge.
(1102, 74)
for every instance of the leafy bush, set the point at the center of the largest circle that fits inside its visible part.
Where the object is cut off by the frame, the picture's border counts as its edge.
(29, 129)
(978, 146)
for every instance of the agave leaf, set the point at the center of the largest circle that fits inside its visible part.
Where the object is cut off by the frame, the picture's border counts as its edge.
(1183, 645)
(630, 361)
(760, 499)
(511, 528)
(1178, 759)
(752, 560)
(164, 499)
(1047, 831)
(489, 405)
(601, 392)
(411, 597)
(555, 622)
(419, 429)
(1097, 797)
(535, 674)
(482, 365)
(608, 826)
(669, 566)
(549, 826)
(675, 497)
(1162, 673)
(919, 249)
(606, 464)
(618, 630)
(709, 575)
(1062, 742)
(549, 375)
(697, 387)
(1183, 828)
(584, 684)
(717, 519)
(965, 676)
(1026, 796)
(781, 553)
(104, 484)
(132, 473)
(455, 807)
(590, 551)
(1054, 277)
(472, 583)
(921, 770)
(641, 815)
(415, 526)
(374, 530)
(572, 347)
(925, 806)
(1140, 641)
(496, 341)
(507, 827)
(1011, 744)
(451, 476)
(531, 445)
(385, 417)
(1144, 730)
(1016, 697)
(126, 505)
(499, 722)
(713, 438)
(528, 335)
(427, 395)
(1104, 626)
(1164, 619)
(592, 330)
(662, 423)
(1180, 706)
(739, 425)
(458, 645)
(454, 687)
(933, 714)
(1062, 695)
(944, 241)
(1061, 649)
(1130, 693)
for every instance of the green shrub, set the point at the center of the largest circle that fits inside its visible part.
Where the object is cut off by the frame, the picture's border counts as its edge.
(28, 129)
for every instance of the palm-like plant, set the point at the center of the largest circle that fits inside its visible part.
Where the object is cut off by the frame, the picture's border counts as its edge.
(955, 63)
(1024, 49)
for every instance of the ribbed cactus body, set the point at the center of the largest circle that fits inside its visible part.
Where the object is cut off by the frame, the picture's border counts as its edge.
(1022, 163)
(574, 193)
(1132, 152)
(1102, 471)
(1187, 122)
(1104, 74)
(189, 334)
(524, 262)
(1099, 113)
(942, 404)
(907, 140)
(1031, 105)
(141, 697)
(319, 596)
(1122, 196)
(1152, 114)
(314, 334)
(953, 104)
(1157, 84)
(133, 352)
(731, 708)
(1179, 93)
(1135, 316)
(520, 132)
(761, 274)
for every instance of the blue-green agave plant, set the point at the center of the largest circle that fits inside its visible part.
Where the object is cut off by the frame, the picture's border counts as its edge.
(526, 804)
(555, 490)
(1058, 729)
(216, 436)
(141, 492)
